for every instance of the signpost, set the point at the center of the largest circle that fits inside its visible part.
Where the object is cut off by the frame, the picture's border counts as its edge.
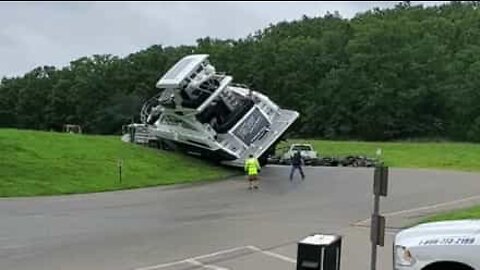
(377, 228)
(120, 164)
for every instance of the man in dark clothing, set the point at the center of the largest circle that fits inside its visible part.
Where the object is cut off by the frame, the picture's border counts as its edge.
(297, 164)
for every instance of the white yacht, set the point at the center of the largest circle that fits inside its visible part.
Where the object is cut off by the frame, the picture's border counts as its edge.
(201, 112)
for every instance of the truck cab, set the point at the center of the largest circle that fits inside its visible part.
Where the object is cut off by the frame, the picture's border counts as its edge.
(446, 245)
(308, 154)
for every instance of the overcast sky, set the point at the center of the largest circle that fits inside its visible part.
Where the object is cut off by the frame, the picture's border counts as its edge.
(54, 33)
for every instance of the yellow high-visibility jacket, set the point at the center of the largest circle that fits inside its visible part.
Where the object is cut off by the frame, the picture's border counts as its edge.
(252, 166)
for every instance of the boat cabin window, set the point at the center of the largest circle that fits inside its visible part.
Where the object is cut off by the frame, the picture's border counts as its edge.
(195, 96)
(222, 118)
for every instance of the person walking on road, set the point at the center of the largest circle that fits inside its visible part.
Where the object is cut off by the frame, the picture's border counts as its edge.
(252, 167)
(297, 164)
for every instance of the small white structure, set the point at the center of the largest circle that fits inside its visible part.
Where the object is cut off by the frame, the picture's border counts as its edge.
(69, 128)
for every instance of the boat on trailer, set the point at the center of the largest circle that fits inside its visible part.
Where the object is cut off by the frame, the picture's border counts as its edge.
(201, 112)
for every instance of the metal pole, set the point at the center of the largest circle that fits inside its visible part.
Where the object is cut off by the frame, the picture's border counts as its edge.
(374, 228)
(377, 228)
(120, 171)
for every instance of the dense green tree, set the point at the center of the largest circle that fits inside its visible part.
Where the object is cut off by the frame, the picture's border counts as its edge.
(405, 72)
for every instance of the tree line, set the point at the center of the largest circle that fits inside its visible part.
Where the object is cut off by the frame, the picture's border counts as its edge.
(386, 74)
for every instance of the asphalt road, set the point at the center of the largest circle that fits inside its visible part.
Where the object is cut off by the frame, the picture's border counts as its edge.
(221, 225)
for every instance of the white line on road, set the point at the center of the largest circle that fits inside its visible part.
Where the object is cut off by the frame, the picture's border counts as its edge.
(428, 207)
(206, 266)
(13, 247)
(189, 260)
(194, 260)
(159, 266)
(272, 254)
(219, 253)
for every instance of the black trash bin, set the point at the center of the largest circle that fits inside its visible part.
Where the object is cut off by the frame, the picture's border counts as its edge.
(319, 252)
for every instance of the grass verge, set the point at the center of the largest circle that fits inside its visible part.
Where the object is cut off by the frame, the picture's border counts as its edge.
(47, 163)
(435, 155)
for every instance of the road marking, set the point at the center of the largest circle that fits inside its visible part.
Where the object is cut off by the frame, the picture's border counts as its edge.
(417, 209)
(189, 260)
(13, 247)
(159, 266)
(219, 253)
(206, 266)
(272, 254)
(195, 260)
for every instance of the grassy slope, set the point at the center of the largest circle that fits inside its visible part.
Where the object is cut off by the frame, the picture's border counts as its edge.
(44, 163)
(468, 213)
(455, 156)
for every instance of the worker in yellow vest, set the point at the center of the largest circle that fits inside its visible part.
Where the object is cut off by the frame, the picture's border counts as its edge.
(251, 168)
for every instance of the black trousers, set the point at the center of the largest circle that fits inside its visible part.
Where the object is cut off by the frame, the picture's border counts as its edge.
(295, 167)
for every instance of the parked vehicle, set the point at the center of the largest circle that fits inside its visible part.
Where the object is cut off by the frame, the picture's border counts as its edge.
(447, 245)
(308, 154)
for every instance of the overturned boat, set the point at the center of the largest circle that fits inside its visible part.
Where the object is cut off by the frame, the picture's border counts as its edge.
(201, 112)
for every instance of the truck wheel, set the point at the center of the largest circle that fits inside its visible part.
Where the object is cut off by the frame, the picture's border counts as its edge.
(263, 160)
